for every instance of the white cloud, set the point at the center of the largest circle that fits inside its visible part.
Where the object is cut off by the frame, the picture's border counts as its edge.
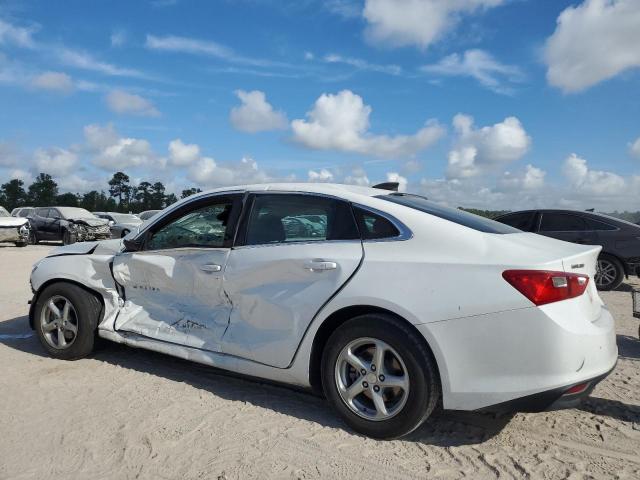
(193, 46)
(53, 81)
(634, 148)
(206, 172)
(118, 38)
(322, 175)
(416, 22)
(363, 64)
(181, 154)
(358, 176)
(344, 8)
(396, 177)
(478, 150)
(19, 36)
(481, 66)
(112, 152)
(531, 179)
(592, 182)
(255, 114)
(85, 61)
(125, 103)
(593, 41)
(341, 122)
(55, 160)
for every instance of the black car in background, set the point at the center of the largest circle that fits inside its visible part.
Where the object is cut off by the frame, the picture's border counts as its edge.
(620, 240)
(69, 224)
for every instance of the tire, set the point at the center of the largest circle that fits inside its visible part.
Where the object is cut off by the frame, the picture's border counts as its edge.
(407, 360)
(68, 238)
(610, 273)
(83, 317)
(22, 244)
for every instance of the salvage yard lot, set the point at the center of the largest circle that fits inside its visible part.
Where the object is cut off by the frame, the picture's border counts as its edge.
(127, 413)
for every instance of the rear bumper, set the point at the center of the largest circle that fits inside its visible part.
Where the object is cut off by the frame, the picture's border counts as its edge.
(554, 399)
(523, 358)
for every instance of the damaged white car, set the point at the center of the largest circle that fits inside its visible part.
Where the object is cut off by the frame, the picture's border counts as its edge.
(13, 229)
(386, 302)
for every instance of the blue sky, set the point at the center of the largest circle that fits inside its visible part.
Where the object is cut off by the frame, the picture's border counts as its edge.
(485, 103)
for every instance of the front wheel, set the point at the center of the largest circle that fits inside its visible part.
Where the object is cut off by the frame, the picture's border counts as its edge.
(21, 244)
(65, 320)
(609, 273)
(68, 238)
(379, 376)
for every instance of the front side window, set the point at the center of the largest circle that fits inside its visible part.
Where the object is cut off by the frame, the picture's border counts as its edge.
(204, 227)
(286, 218)
(598, 225)
(562, 222)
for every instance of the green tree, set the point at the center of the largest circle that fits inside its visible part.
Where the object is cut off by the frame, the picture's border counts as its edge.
(170, 199)
(144, 196)
(67, 200)
(190, 191)
(43, 191)
(120, 188)
(157, 196)
(12, 194)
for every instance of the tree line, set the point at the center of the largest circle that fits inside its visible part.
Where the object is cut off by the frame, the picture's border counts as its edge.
(121, 195)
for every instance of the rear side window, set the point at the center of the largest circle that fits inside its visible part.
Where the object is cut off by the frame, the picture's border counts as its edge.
(522, 221)
(373, 226)
(286, 218)
(593, 224)
(42, 212)
(562, 222)
(454, 215)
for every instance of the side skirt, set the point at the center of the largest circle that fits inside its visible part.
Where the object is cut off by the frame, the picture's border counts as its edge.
(205, 357)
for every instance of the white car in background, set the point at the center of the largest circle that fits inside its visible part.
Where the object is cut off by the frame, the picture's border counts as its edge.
(13, 229)
(386, 302)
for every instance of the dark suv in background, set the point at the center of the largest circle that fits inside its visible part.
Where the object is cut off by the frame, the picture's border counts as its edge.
(69, 224)
(620, 240)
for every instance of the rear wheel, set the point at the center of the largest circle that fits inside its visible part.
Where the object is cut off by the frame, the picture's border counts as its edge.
(609, 273)
(65, 319)
(379, 376)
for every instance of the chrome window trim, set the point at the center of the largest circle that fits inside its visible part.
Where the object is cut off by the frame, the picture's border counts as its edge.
(405, 232)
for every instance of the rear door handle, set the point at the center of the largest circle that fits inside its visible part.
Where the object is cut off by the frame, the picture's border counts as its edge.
(318, 265)
(210, 268)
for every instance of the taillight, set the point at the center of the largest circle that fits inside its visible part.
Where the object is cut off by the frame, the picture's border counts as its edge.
(542, 286)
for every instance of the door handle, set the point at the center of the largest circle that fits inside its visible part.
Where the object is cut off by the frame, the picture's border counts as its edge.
(210, 268)
(318, 265)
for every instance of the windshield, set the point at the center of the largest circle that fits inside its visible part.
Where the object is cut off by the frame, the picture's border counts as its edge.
(4, 213)
(74, 212)
(454, 215)
(125, 218)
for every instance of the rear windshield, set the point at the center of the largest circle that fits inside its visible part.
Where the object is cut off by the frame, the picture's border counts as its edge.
(454, 215)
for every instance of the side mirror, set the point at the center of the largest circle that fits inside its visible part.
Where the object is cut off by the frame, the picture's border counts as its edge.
(133, 244)
(111, 223)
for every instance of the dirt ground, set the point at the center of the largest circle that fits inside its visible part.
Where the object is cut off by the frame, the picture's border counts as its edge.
(128, 413)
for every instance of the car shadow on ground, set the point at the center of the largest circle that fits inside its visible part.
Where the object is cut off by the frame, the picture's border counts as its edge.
(628, 347)
(444, 428)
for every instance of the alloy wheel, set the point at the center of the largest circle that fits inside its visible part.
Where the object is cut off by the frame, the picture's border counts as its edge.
(59, 322)
(606, 273)
(372, 379)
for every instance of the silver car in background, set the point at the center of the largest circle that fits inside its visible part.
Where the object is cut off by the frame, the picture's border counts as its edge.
(121, 224)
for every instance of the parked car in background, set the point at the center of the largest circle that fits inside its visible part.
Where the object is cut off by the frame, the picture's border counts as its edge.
(620, 240)
(389, 303)
(120, 223)
(69, 224)
(22, 211)
(13, 229)
(147, 214)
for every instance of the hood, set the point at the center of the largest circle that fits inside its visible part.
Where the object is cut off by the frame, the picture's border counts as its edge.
(12, 221)
(92, 222)
(104, 247)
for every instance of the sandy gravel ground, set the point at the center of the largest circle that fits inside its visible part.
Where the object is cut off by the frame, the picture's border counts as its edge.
(127, 413)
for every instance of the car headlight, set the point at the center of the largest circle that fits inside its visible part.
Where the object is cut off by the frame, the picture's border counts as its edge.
(24, 230)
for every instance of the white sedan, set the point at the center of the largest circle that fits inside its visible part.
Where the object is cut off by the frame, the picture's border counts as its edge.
(386, 302)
